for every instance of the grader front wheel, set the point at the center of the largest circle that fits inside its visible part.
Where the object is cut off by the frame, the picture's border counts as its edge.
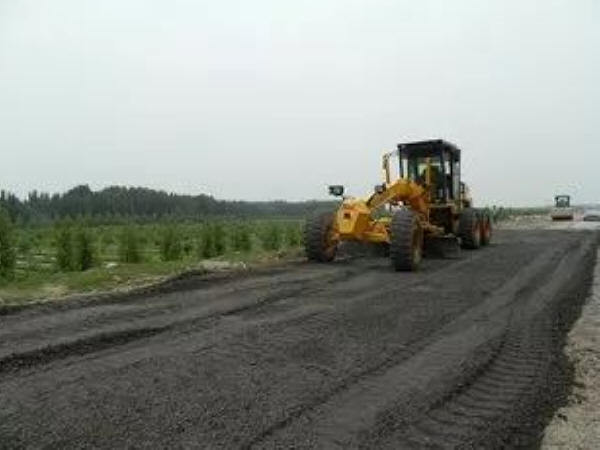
(319, 238)
(406, 246)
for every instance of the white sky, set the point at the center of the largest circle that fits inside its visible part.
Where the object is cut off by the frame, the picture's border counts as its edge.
(269, 99)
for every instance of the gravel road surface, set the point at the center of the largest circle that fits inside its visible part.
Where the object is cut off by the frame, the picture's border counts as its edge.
(465, 353)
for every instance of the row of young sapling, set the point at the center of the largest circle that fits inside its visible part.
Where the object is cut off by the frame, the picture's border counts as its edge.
(77, 246)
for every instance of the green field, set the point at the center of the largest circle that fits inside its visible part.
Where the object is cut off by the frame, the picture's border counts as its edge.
(56, 260)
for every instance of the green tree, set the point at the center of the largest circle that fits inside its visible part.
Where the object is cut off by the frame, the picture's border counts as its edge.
(207, 244)
(129, 251)
(63, 243)
(8, 257)
(271, 236)
(106, 239)
(219, 238)
(84, 249)
(188, 247)
(240, 238)
(170, 244)
(293, 235)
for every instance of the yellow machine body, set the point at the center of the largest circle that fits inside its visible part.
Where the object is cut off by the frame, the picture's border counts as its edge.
(426, 201)
(354, 219)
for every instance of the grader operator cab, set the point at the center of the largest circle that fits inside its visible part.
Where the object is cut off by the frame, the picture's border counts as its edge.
(427, 202)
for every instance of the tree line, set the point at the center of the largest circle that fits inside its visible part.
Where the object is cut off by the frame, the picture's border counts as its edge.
(116, 204)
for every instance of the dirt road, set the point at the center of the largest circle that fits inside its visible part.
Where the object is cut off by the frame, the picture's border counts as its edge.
(464, 353)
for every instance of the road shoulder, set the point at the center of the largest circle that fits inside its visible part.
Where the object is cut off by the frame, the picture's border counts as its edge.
(577, 425)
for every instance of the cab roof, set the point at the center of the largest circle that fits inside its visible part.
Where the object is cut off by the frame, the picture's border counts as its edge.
(430, 148)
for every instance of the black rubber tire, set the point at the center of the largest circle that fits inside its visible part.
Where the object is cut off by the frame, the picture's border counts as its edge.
(406, 246)
(486, 229)
(469, 229)
(316, 238)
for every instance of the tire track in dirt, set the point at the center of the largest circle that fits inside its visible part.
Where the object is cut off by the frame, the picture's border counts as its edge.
(506, 403)
(100, 338)
(340, 423)
(357, 357)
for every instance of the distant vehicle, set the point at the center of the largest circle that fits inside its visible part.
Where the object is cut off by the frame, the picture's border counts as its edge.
(592, 215)
(562, 208)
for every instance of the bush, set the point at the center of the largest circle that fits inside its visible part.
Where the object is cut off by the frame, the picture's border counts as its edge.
(129, 251)
(207, 244)
(170, 244)
(8, 257)
(293, 235)
(219, 237)
(84, 250)
(271, 237)
(106, 238)
(188, 246)
(240, 238)
(63, 243)
(27, 248)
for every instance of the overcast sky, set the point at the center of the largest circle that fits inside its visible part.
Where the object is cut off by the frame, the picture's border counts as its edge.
(270, 99)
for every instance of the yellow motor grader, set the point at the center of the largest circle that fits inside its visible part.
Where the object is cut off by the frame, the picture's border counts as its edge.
(427, 202)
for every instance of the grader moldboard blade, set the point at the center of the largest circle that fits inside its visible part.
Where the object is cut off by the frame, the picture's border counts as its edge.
(442, 247)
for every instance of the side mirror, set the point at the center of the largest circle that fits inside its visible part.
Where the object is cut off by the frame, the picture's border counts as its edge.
(336, 190)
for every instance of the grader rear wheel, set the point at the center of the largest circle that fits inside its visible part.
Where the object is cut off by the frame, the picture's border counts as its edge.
(406, 246)
(319, 238)
(486, 229)
(470, 229)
